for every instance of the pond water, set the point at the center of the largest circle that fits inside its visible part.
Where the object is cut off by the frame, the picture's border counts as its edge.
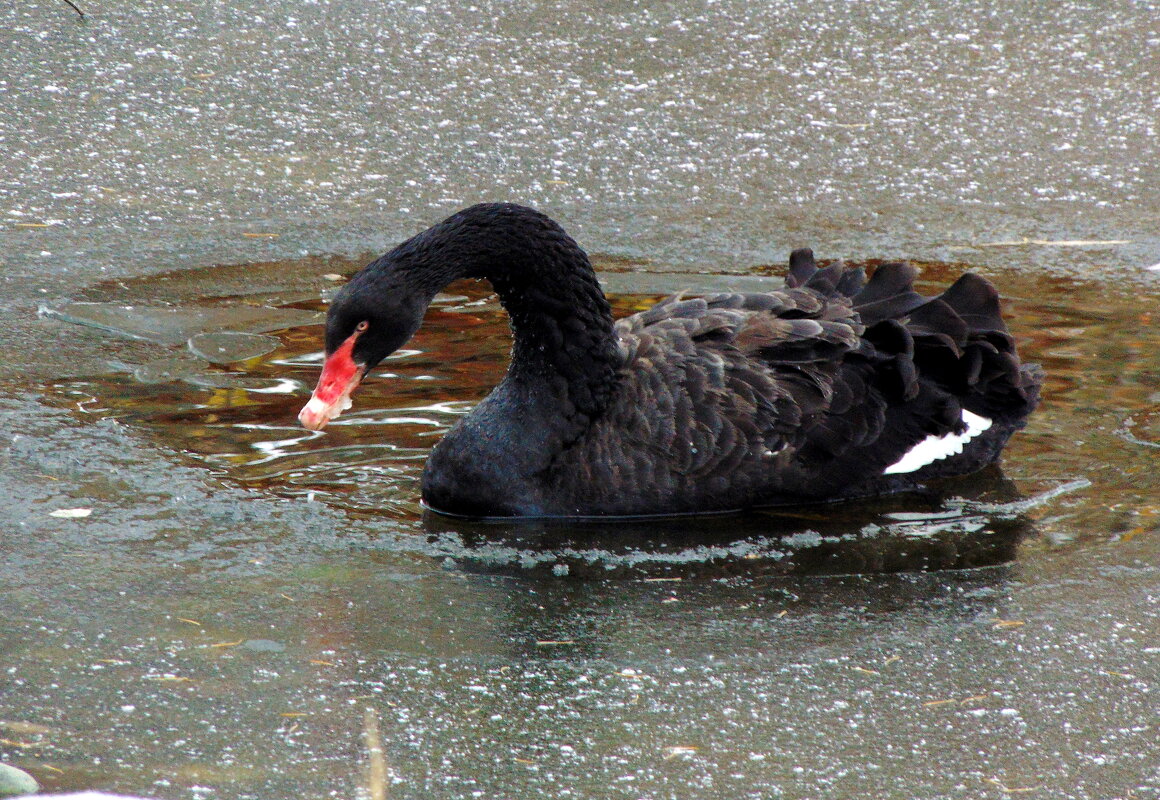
(618, 660)
(198, 599)
(238, 419)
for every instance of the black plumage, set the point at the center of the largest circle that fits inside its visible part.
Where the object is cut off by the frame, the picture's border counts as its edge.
(712, 403)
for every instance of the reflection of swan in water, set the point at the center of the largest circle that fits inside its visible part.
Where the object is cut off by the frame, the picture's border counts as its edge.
(981, 524)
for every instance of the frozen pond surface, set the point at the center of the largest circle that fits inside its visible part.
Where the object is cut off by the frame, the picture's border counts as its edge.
(220, 595)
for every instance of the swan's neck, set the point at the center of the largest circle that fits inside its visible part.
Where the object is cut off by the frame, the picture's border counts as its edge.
(562, 326)
(565, 350)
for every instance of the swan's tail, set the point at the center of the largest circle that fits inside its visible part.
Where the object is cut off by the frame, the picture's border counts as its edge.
(957, 340)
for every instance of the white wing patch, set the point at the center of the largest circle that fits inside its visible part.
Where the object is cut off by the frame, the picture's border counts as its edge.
(933, 448)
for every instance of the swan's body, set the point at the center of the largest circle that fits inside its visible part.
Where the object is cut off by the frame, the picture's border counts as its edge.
(832, 387)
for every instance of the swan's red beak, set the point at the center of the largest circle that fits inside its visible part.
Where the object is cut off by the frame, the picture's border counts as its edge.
(340, 376)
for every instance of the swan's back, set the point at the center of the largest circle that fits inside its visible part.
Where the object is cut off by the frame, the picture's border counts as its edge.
(832, 387)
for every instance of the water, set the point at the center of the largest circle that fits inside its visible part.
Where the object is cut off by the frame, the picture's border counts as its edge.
(211, 630)
(662, 655)
(687, 134)
(240, 419)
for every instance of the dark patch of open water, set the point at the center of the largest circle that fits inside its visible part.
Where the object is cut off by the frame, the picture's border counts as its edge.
(1080, 473)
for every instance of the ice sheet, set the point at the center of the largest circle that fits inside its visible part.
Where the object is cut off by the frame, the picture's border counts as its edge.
(173, 325)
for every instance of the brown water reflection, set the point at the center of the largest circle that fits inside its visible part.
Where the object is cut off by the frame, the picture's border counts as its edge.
(1098, 424)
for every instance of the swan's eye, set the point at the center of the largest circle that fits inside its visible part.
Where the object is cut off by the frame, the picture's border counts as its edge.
(362, 326)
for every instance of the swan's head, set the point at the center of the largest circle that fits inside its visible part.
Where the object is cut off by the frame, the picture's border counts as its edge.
(382, 306)
(369, 319)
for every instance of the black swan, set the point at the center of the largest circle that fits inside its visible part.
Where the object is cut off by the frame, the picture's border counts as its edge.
(832, 387)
